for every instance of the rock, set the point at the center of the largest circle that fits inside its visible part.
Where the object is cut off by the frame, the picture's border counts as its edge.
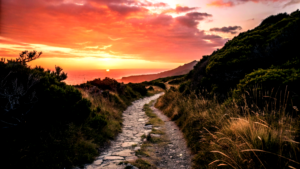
(124, 153)
(131, 158)
(98, 162)
(137, 148)
(154, 135)
(147, 132)
(148, 127)
(141, 120)
(113, 158)
(128, 144)
(110, 166)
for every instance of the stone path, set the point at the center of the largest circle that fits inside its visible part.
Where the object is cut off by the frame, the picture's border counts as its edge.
(122, 149)
(175, 155)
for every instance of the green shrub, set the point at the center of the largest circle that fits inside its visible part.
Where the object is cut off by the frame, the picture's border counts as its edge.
(272, 45)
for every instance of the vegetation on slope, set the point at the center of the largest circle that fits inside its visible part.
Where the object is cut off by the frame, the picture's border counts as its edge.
(271, 45)
(239, 107)
(224, 135)
(45, 123)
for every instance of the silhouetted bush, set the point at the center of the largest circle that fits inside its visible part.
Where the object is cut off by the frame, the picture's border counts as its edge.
(151, 88)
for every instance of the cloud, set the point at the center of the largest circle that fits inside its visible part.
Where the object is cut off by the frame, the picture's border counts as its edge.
(192, 19)
(180, 9)
(231, 3)
(221, 3)
(129, 27)
(229, 29)
(125, 10)
(292, 2)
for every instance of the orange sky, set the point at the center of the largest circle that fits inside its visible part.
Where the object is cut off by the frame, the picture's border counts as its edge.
(124, 34)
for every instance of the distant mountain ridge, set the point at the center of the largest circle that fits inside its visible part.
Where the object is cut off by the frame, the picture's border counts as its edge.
(181, 70)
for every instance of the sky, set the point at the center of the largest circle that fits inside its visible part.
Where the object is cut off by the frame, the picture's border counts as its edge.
(127, 34)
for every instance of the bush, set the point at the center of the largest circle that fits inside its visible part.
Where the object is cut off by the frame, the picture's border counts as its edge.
(138, 87)
(176, 81)
(151, 88)
(45, 123)
(184, 86)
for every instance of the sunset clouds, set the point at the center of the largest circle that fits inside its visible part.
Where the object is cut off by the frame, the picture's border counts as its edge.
(86, 27)
(140, 30)
(231, 3)
(229, 29)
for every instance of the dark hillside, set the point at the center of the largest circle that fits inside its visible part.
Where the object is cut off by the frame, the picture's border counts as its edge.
(272, 45)
(181, 70)
(239, 107)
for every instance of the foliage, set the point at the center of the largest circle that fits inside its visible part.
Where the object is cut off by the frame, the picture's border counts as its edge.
(227, 136)
(176, 81)
(138, 87)
(151, 88)
(272, 45)
(45, 123)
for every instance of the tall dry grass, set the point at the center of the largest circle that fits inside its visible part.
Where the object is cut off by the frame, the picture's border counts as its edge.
(111, 110)
(232, 135)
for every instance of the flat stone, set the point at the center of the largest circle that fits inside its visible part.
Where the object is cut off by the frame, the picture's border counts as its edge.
(98, 162)
(110, 166)
(148, 127)
(139, 134)
(128, 144)
(154, 135)
(146, 132)
(141, 120)
(131, 158)
(113, 158)
(137, 148)
(124, 153)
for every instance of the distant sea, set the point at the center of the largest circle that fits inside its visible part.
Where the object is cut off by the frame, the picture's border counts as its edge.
(82, 76)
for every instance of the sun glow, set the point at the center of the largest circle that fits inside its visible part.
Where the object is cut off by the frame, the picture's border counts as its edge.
(107, 70)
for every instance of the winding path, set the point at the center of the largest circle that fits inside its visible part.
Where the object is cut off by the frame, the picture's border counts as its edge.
(123, 148)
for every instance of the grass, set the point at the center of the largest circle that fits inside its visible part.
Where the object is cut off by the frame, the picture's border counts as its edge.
(108, 109)
(234, 136)
(154, 120)
(143, 164)
(147, 153)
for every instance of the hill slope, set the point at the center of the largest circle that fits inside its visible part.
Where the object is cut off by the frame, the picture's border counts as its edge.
(272, 45)
(249, 126)
(181, 70)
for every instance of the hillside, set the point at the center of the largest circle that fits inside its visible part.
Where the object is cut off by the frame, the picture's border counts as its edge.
(181, 70)
(271, 45)
(239, 106)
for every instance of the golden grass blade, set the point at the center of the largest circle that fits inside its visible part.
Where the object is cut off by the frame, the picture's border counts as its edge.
(219, 133)
(292, 167)
(226, 156)
(253, 152)
(261, 124)
(224, 138)
(269, 153)
(222, 161)
(263, 121)
(214, 162)
(289, 140)
(239, 119)
(215, 137)
(221, 165)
